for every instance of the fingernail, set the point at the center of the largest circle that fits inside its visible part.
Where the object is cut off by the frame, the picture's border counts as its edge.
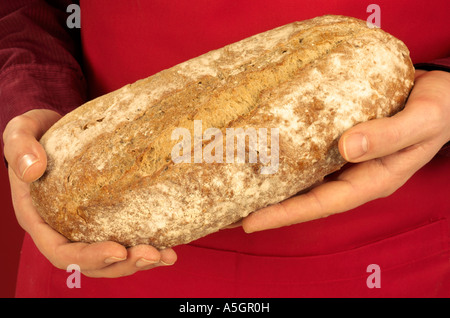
(142, 262)
(233, 225)
(165, 264)
(355, 145)
(26, 162)
(114, 259)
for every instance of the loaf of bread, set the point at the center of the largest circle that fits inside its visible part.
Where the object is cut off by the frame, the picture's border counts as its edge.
(120, 167)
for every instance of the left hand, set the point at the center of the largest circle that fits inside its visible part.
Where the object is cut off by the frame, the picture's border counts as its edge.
(386, 153)
(27, 161)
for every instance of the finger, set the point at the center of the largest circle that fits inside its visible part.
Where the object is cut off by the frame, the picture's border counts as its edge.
(22, 150)
(26, 213)
(329, 198)
(141, 257)
(54, 246)
(421, 120)
(380, 137)
(355, 186)
(146, 256)
(89, 256)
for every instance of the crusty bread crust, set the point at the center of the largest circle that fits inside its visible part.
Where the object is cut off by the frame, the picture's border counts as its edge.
(110, 175)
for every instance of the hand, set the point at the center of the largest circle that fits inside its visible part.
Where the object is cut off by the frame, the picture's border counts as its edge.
(386, 153)
(27, 161)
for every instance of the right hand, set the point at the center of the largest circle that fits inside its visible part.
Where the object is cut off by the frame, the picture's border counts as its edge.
(27, 162)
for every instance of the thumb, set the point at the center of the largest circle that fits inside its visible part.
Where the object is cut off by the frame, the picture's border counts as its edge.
(423, 120)
(24, 153)
(380, 137)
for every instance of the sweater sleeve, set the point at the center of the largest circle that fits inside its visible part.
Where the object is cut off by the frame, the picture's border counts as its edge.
(436, 65)
(39, 56)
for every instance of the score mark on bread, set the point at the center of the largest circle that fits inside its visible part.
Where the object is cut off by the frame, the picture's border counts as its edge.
(110, 175)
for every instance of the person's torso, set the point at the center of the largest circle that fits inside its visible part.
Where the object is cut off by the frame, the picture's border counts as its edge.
(124, 41)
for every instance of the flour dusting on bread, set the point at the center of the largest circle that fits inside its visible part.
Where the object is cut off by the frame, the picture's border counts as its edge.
(110, 175)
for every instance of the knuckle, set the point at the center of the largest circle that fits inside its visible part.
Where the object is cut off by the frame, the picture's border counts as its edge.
(11, 146)
(14, 121)
(316, 203)
(396, 135)
(17, 126)
(391, 179)
(284, 215)
(31, 123)
(10, 126)
(434, 117)
(281, 209)
(14, 137)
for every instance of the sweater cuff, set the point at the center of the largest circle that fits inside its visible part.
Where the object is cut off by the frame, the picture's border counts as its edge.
(27, 87)
(435, 65)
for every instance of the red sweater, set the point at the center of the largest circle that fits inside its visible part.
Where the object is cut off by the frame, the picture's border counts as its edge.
(407, 234)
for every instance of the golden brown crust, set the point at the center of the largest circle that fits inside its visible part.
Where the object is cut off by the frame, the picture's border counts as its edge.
(111, 176)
